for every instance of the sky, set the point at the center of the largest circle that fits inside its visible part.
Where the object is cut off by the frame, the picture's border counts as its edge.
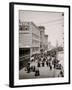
(52, 21)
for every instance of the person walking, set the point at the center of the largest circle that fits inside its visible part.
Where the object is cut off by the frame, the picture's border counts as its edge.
(61, 74)
(47, 63)
(42, 63)
(50, 63)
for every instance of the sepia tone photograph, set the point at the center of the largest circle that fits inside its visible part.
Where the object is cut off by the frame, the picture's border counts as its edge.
(41, 44)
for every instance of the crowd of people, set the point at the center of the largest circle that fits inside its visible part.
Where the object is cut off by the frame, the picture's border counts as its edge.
(42, 61)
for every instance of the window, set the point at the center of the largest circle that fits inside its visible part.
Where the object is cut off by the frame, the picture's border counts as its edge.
(24, 28)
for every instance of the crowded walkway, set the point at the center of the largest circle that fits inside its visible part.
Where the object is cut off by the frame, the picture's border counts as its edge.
(42, 67)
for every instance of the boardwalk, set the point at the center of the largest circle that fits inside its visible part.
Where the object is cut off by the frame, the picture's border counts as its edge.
(45, 72)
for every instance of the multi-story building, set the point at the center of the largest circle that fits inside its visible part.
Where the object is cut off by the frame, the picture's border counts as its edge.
(42, 37)
(46, 42)
(32, 40)
(29, 39)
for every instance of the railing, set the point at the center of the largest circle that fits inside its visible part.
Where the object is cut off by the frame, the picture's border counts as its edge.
(24, 57)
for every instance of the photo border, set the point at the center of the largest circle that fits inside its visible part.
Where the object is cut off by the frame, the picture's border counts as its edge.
(11, 42)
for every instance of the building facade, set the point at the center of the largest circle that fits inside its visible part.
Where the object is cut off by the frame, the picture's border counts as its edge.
(46, 42)
(29, 37)
(42, 37)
